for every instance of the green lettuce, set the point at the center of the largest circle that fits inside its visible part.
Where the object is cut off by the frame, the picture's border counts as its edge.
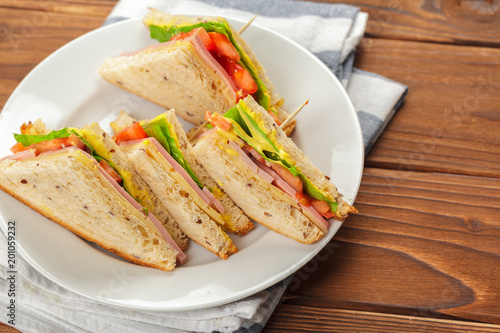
(315, 194)
(240, 116)
(159, 130)
(28, 140)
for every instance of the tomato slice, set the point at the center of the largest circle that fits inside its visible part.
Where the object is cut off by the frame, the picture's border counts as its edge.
(302, 199)
(223, 46)
(74, 140)
(328, 214)
(18, 147)
(179, 36)
(275, 117)
(201, 32)
(49, 145)
(240, 76)
(287, 175)
(110, 171)
(133, 132)
(218, 121)
(320, 206)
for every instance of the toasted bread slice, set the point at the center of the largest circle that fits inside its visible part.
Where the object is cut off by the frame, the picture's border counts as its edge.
(172, 76)
(262, 201)
(183, 204)
(236, 221)
(67, 188)
(106, 147)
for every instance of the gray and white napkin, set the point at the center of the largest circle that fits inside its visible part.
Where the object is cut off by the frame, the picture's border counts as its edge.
(332, 33)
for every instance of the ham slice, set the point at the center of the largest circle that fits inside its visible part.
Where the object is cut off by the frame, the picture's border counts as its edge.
(213, 200)
(213, 64)
(22, 155)
(280, 183)
(181, 256)
(251, 163)
(180, 170)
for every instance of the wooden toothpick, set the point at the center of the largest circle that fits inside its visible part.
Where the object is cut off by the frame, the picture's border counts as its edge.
(290, 117)
(243, 28)
(197, 131)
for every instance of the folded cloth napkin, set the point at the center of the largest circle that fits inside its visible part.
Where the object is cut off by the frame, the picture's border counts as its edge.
(329, 31)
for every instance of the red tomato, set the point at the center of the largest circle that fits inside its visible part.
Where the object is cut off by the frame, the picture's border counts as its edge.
(49, 145)
(320, 206)
(293, 181)
(240, 76)
(74, 140)
(218, 121)
(17, 148)
(179, 36)
(275, 117)
(110, 171)
(224, 46)
(328, 214)
(133, 132)
(201, 32)
(302, 199)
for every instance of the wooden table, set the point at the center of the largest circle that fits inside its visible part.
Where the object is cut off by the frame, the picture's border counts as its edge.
(423, 254)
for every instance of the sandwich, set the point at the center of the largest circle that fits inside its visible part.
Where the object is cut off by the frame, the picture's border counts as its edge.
(62, 176)
(201, 64)
(168, 131)
(267, 175)
(159, 151)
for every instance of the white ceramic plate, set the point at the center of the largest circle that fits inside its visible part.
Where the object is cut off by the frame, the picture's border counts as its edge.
(66, 90)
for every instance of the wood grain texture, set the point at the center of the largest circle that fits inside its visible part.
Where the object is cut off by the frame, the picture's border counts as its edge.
(29, 36)
(465, 22)
(423, 244)
(449, 121)
(314, 319)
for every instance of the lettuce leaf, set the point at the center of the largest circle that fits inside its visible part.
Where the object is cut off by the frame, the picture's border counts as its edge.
(315, 194)
(159, 130)
(28, 140)
(243, 119)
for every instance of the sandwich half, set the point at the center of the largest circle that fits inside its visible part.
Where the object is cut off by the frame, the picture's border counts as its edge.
(62, 177)
(201, 64)
(267, 175)
(179, 147)
(156, 149)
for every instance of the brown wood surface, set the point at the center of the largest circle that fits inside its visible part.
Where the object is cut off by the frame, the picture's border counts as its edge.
(424, 251)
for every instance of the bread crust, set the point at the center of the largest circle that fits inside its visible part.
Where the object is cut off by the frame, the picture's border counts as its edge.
(302, 162)
(237, 221)
(251, 193)
(193, 220)
(172, 76)
(7, 185)
(95, 133)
